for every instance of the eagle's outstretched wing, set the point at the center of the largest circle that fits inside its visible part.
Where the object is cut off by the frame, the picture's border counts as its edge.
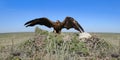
(40, 21)
(70, 22)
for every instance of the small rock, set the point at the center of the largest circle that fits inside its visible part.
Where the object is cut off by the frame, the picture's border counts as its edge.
(16, 54)
(84, 35)
(115, 55)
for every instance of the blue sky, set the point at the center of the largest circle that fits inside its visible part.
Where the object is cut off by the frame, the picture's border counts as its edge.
(93, 15)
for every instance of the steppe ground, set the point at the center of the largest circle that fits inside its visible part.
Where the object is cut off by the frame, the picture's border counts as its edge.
(19, 37)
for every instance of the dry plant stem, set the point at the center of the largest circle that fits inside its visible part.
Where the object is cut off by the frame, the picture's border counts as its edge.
(119, 46)
(12, 46)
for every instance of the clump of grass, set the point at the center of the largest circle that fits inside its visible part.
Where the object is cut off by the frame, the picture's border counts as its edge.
(40, 31)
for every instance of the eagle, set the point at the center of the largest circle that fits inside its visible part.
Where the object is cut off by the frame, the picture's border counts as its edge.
(68, 23)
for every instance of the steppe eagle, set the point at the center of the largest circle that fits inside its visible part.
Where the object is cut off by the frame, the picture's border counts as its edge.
(68, 23)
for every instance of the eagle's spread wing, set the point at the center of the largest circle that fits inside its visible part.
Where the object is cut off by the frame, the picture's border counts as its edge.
(40, 21)
(70, 22)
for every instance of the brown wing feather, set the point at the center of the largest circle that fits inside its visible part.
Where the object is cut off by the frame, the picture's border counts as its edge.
(40, 21)
(70, 22)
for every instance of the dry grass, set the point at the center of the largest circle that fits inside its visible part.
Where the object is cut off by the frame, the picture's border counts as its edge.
(43, 45)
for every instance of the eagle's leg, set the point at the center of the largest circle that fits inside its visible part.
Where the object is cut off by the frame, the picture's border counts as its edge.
(57, 31)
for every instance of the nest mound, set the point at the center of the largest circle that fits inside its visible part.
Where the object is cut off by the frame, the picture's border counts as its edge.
(68, 43)
(65, 46)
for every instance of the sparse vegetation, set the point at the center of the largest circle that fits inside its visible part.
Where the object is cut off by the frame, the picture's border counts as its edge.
(44, 45)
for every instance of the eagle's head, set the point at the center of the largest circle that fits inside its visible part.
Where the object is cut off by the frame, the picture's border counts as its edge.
(58, 22)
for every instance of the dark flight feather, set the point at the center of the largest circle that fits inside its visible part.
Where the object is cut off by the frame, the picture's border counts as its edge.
(70, 22)
(40, 21)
